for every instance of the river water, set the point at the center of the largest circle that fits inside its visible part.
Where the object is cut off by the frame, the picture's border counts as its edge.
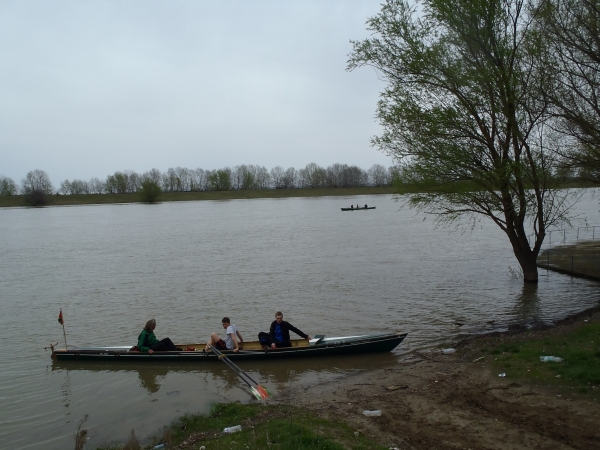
(111, 268)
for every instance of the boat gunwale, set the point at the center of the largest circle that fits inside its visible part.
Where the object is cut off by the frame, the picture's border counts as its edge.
(316, 350)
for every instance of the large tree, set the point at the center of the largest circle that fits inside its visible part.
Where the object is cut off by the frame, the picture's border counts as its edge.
(572, 30)
(463, 112)
(36, 180)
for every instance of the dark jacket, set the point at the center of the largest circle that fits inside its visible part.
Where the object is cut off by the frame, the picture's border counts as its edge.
(146, 339)
(285, 331)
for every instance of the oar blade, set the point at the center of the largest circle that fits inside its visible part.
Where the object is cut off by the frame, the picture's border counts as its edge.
(263, 392)
(257, 394)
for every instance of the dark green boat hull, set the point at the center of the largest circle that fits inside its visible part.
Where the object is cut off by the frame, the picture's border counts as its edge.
(330, 347)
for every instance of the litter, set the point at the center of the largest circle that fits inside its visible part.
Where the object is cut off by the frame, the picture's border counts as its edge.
(230, 430)
(375, 412)
(395, 388)
(550, 359)
(447, 351)
(502, 374)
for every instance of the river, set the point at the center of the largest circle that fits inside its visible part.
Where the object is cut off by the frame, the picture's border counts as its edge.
(112, 267)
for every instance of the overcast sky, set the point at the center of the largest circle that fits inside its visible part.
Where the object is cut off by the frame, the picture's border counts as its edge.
(91, 87)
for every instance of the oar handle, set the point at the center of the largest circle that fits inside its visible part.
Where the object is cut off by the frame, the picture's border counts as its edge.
(231, 364)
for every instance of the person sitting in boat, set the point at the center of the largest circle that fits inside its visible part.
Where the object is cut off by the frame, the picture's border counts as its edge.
(147, 341)
(351, 206)
(231, 338)
(365, 206)
(280, 332)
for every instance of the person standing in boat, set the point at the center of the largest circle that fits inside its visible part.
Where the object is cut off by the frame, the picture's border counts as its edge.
(147, 341)
(280, 332)
(231, 338)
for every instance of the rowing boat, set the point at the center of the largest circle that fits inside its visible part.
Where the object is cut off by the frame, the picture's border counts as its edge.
(357, 209)
(249, 350)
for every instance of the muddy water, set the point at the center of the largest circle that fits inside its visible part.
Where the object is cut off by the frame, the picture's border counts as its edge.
(111, 268)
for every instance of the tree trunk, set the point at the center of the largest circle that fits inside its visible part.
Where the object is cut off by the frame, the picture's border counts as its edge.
(527, 260)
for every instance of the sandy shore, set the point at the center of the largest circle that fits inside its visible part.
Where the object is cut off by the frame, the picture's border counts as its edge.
(437, 401)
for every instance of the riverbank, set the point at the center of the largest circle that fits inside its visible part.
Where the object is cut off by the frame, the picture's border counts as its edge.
(435, 400)
(104, 199)
(579, 260)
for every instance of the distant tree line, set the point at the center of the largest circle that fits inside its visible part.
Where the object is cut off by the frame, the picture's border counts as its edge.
(181, 179)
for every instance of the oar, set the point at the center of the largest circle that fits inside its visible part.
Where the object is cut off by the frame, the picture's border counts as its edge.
(259, 392)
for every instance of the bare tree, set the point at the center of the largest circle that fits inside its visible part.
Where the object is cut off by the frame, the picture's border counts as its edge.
(170, 181)
(262, 178)
(65, 187)
(37, 180)
(378, 175)
(96, 186)
(78, 187)
(277, 177)
(290, 180)
(200, 180)
(183, 176)
(7, 186)
(336, 175)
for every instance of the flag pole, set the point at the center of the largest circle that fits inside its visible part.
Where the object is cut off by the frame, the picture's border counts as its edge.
(62, 322)
(65, 335)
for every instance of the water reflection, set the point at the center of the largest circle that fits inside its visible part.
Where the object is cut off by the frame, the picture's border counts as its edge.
(526, 309)
(278, 375)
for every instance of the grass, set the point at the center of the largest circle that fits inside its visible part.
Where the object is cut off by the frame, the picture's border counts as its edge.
(263, 427)
(97, 199)
(579, 347)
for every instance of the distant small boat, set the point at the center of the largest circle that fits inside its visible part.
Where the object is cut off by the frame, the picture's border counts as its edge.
(357, 209)
(319, 346)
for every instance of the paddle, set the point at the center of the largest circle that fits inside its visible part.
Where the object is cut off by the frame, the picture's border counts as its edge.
(259, 392)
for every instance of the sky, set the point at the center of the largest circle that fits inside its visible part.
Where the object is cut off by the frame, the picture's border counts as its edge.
(90, 88)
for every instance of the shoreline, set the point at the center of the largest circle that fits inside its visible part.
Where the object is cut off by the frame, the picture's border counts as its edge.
(447, 401)
(165, 197)
(444, 401)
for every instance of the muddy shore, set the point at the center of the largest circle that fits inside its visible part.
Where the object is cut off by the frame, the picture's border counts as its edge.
(450, 401)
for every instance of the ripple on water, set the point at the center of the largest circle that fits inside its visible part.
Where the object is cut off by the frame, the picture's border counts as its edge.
(113, 267)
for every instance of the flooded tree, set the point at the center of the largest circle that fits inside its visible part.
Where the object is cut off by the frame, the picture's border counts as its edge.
(464, 114)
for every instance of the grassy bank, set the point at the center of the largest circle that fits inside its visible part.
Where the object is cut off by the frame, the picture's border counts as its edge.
(580, 260)
(517, 355)
(263, 427)
(99, 199)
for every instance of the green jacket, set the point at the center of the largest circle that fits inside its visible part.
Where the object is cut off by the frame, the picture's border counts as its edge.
(146, 339)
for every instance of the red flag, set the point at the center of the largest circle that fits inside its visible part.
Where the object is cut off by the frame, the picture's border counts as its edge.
(60, 318)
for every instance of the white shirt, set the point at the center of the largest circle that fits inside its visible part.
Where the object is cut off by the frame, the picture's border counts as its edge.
(231, 329)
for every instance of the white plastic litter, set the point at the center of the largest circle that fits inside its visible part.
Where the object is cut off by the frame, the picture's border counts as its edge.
(447, 351)
(502, 374)
(550, 359)
(375, 412)
(235, 429)
(158, 447)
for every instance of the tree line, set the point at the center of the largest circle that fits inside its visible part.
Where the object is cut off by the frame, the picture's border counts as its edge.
(181, 179)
